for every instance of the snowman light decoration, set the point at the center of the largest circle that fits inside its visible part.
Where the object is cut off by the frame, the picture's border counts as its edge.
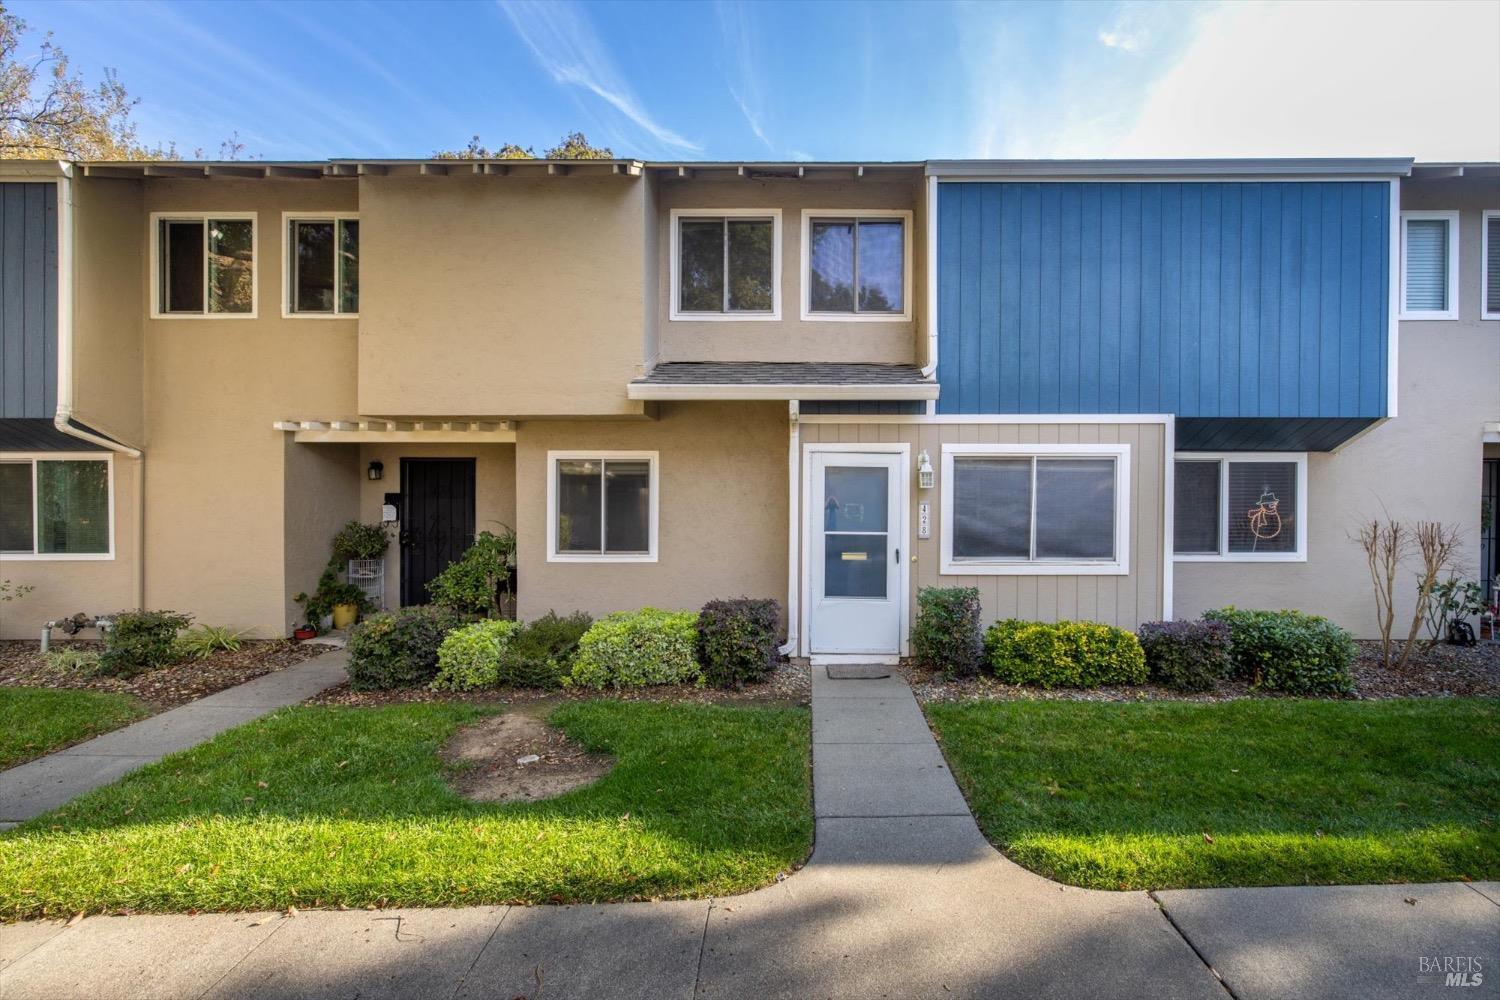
(1265, 519)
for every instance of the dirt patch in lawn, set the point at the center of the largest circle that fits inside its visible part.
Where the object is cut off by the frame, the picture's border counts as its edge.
(23, 665)
(790, 684)
(519, 758)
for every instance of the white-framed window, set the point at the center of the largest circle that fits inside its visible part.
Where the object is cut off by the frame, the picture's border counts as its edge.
(1240, 507)
(726, 263)
(856, 265)
(601, 506)
(320, 254)
(57, 506)
(1429, 265)
(1029, 509)
(203, 265)
(1490, 275)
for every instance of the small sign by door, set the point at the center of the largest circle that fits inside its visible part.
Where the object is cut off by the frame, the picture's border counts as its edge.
(924, 520)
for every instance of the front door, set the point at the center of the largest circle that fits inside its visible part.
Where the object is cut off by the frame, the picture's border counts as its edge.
(856, 585)
(437, 520)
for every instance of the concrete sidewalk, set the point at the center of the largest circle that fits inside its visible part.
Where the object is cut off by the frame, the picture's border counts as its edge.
(902, 898)
(47, 782)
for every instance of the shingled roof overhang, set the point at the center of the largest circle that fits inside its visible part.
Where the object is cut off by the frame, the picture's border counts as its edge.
(781, 380)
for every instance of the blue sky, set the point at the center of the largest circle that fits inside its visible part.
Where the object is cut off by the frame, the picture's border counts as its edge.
(874, 81)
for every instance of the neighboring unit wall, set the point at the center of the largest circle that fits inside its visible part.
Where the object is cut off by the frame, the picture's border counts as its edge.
(722, 510)
(217, 475)
(500, 296)
(321, 488)
(65, 587)
(1425, 464)
(28, 312)
(1125, 600)
(789, 338)
(494, 492)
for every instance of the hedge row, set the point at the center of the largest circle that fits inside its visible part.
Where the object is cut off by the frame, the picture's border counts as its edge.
(726, 644)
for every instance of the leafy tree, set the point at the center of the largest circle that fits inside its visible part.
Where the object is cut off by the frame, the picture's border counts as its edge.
(573, 146)
(48, 112)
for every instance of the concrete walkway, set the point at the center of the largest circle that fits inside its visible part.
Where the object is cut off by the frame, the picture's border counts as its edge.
(47, 782)
(902, 898)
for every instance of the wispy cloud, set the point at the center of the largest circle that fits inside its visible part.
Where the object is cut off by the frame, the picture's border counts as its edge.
(572, 53)
(742, 76)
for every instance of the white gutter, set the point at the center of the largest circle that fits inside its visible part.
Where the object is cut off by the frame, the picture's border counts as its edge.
(786, 391)
(793, 575)
(929, 369)
(63, 418)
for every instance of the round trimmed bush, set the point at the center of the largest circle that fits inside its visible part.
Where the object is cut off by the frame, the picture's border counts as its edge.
(541, 652)
(946, 635)
(1063, 654)
(637, 649)
(469, 657)
(737, 640)
(398, 648)
(1288, 650)
(1188, 656)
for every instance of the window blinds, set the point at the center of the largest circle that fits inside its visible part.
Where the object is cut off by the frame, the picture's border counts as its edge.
(1426, 265)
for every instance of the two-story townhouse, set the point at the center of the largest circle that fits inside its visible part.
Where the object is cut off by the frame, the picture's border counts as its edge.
(1114, 391)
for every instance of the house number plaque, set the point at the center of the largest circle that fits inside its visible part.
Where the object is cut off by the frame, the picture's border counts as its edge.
(924, 520)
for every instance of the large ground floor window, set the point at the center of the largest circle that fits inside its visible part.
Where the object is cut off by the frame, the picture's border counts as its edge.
(1019, 509)
(1238, 507)
(56, 507)
(601, 506)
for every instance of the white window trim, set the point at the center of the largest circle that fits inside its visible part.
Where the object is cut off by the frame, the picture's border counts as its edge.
(1224, 458)
(154, 221)
(1484, 264)
(649, 556)
(805, 273)
(289, 262)
(1452, 311)
(1119, 566)
(32, 457)
(675, 314)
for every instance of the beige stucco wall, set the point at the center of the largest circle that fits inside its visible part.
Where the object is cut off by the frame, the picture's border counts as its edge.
(500, 296)
(321, 492)
(108, 307)
(723, 510)
(217, 485)
(790, 339)
(66, 586)
(494, 491)
(1124, 600)
(1425, 464)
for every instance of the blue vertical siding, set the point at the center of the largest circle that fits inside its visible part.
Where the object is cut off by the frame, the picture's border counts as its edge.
(1232, 300)
(28, 300)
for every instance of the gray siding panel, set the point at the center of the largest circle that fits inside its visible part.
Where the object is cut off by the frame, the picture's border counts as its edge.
(28, 300)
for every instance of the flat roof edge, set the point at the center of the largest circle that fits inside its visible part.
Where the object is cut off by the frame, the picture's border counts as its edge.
(1224, 167)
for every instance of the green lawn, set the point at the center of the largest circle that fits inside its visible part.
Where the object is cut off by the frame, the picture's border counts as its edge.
(36, 721)
(1120, 796)
(322, 806)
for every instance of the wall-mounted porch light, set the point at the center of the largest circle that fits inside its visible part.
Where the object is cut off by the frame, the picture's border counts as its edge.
(377, 471)
(925, 475)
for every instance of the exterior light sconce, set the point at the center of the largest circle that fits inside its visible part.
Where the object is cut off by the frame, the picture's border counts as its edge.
(377, 471)
(925, 475)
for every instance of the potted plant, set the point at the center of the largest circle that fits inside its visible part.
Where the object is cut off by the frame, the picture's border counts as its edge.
(342, 602)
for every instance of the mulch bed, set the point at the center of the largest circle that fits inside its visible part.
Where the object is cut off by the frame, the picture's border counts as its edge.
(788, 685)
(22, 665)
(1443, 671)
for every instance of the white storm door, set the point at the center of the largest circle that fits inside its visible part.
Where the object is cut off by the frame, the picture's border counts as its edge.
(856, 514)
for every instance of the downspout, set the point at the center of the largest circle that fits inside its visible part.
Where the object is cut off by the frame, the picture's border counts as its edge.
(930, 369)
(793, 578)
(63, 419)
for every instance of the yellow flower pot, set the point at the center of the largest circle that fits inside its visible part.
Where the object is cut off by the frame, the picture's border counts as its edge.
(344, 615)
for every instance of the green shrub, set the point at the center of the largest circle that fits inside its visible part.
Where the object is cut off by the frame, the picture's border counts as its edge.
(638, 648)
(1063, 654)
(1288, 650)
(204, 641)
(356, 540)
(141, 640)
(73, 661)
(471, 585)
(398, 648)
(1188, 656)
(946, 635)
(737, 640)
(541, 653)
(469, 657)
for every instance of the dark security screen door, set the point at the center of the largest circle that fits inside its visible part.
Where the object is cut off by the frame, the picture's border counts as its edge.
(437, 520)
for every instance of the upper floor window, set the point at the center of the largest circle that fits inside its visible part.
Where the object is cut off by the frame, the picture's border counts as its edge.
(1240, 507)
(322, 260)
(726, 263)
(55, 507)
(205, 264)
(1491, 276)
(856, 266)
(1429, 265)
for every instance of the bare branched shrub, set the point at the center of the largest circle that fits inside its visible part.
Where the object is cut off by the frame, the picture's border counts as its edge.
(1435, 543)
(1385, 543)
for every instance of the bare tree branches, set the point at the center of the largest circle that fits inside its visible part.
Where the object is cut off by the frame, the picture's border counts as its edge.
(1385, 543)
(1435, 543)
